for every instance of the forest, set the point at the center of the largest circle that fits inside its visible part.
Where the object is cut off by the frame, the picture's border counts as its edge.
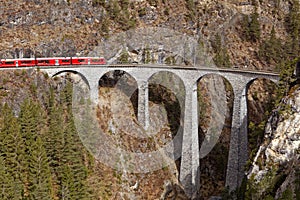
(41, 155)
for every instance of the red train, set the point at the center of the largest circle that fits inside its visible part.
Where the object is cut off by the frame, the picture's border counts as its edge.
(57, 61)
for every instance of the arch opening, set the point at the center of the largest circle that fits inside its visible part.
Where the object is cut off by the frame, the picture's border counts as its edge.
(123, 82)
(167, 100)
(80, 85)
(74, 72)
(215, 108)
(261, 97)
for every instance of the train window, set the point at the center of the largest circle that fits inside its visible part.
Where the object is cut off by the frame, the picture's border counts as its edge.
(81, 60)
(95, 60)
(65, 61)
(43, 61)
(26, 61)
(9, 62)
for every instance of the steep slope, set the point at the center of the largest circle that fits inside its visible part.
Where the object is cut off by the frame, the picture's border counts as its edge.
(275, 170)
(75, 27)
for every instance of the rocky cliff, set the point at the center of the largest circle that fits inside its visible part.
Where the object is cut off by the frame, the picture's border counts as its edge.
(234, 32)
(275, 170)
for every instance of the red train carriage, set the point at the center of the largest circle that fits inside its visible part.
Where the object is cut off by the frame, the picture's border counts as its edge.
(25, 62)
(88, 61)
(59, 61)
(53, 61)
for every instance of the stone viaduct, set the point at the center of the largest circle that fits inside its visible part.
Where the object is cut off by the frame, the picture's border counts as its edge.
(190, 165)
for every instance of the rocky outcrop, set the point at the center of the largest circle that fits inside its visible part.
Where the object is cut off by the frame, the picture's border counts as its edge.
(276, 166)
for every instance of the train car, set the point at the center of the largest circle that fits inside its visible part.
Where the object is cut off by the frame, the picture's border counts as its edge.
(59, 61)
(24, 62)
(88, 61)
(56, 61)
(97, 61)
(6, 63)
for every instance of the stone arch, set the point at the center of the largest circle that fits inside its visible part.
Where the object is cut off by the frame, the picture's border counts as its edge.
(268, 84)
(170, 82)
(74, 72)
(271, 79)
(260, 101)
(167, 89)
(123, 81)
(215, 107)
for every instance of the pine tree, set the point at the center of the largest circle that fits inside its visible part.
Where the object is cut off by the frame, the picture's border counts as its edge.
(286, 78)
(254, 27)
(271, 50)
(66, 94)
(54, 141)
(293, 20)
(221, 58)
(124, 58)
(12, 150)
(114, 9)
(73, 157)
(39, 172)
(6, 182)
(67, 184)
(30, 121)
(292, 46)
(251, 27)
(64, 148)
(147, 55)
(73, 178)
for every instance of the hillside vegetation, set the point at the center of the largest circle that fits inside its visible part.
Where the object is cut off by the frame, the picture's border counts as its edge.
(254, 35)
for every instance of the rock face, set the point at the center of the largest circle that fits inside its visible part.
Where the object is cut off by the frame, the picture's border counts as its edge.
(76, 27)
(276, 167)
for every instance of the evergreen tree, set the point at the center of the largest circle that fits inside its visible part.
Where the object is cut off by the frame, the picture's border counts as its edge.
(68, 184)
(292, 46)
(286, 78)
(40, 163)
(39, 172)
(251, 27)
(6, 182)
(66, 95)
(73, 157)
(73, 177)
(12, 150)
(221, 58)
(114, 9)
(124, 58)
(54, 141)
(271, 50)
(64, 148)
(30, 121)
(293, 20)
(254, 27)
(147, 55)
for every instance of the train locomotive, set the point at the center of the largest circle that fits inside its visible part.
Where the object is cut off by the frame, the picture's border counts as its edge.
(55, 61)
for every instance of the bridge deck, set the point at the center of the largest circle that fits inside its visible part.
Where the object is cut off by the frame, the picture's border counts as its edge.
(233, 70)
